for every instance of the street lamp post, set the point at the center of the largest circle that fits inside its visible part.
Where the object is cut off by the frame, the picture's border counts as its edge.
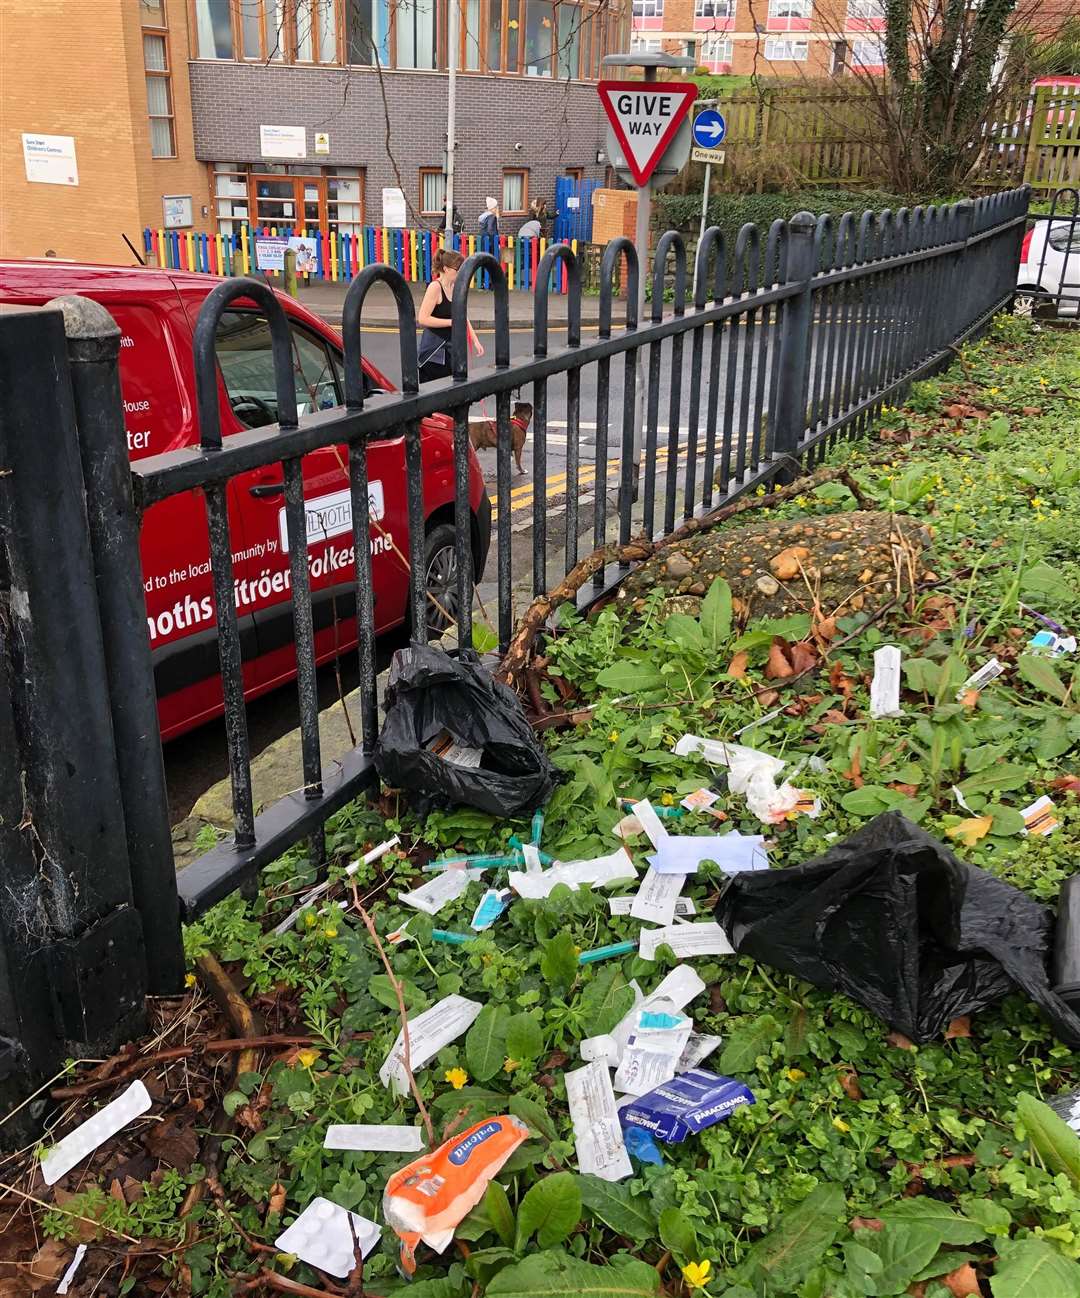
(453, 40)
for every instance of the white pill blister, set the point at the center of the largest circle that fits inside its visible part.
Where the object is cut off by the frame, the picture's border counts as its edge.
(320, 1236)
(94, 1132)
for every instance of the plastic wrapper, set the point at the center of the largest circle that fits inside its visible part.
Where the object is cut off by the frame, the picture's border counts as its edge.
(432, 698)
(893, 919)
(428, 1198)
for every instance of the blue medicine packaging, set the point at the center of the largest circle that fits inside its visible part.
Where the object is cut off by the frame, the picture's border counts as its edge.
(686, 1105)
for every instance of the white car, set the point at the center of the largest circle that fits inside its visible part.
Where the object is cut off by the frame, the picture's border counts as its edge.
(1049, 276)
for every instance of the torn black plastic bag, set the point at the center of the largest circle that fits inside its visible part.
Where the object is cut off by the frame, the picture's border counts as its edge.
(432, 695)
(894, 920)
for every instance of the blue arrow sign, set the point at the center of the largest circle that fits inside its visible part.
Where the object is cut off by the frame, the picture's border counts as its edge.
(709, 128)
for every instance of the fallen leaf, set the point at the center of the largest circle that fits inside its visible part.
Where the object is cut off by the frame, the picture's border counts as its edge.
(557, 1059)
(854, 770)
(867, 1223)
(779, 665)
(49, 1263)
(960, 1027)
(971, 830)
(898, 1040)
(789, 563)
(278, 1195)
(917, 1289)
(849, 1083)
(839, 681)
(717, 1002)
(825, 629)
(1030, 410)
(1067, 784)
(803, 657)
(834, 717)
(767, 697)
(908, 790)
(737, 666)
(969, 698)
(173, 1141)
(250, 1116)
(963, 1282)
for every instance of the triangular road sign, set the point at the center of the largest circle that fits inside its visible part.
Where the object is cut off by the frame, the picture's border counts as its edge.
(645, 116)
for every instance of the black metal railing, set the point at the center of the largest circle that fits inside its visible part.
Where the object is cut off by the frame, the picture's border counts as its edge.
(1048, 285)
(817, 325)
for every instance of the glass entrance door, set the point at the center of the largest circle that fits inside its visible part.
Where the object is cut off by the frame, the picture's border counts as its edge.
(293, 202)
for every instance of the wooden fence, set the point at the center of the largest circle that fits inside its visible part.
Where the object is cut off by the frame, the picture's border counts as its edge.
(833, 137)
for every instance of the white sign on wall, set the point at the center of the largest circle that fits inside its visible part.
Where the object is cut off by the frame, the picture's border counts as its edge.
(177, 210)
(393, 209)
(50, 159)
(283, 141)
(322, 141)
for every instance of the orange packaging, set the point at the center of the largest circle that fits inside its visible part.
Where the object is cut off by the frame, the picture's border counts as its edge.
(427, 1199)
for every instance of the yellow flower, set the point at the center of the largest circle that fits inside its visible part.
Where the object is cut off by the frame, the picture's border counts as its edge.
(1036, 502)
(189, 980)
(330, 932)
(307, 1058)
(840, 1124)
(309, 919)
(795, 1075)
(457, 1077)
(613, 736)
(666, 800)
(510, 1064)
(697, 1274)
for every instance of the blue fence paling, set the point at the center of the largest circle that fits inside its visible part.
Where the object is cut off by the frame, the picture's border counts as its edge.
(573, 209)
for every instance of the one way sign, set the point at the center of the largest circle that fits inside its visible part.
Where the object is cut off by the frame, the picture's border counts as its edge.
(645, 116)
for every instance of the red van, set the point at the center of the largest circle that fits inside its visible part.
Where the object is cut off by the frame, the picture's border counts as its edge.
(156, 311)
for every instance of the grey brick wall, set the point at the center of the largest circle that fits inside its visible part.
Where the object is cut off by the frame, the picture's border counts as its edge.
(537, 124)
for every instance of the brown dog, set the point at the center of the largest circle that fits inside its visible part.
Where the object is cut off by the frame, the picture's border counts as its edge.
(484, 435)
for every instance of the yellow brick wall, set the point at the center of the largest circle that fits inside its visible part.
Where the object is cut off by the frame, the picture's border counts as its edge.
(75, 67)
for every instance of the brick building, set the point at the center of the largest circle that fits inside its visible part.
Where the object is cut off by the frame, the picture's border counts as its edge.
(796, 38)
(199, 114)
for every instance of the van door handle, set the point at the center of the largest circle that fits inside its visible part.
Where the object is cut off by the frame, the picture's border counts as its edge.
(267, 489)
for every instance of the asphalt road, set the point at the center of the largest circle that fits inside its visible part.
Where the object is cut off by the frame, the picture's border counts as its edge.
(196, 761)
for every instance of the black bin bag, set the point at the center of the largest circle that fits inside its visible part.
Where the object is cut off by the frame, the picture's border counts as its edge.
(438, 703)
(894, 920)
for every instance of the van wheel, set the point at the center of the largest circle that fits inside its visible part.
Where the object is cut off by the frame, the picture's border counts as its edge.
(440, 579)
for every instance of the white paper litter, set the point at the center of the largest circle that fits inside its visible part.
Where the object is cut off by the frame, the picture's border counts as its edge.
(603, 1049)
(439, 891)
(652, 1053)
(1040, 817)
(428, 1033)
(628, 827)
(602, 869)
(384, 1139)
(69, 1274)
(752, 774)
(686, 940)
(678, 988)
(699, 800)
(597, 1131)
(95, 1131)
(732, 852)
(885, 687)
(531, 853)
(534, 887)
(649, 821)
(321, 1237)
(698, 1048)
(960, 799)
(684, 906)
(978, 680)
(459, 755)
(656, 898)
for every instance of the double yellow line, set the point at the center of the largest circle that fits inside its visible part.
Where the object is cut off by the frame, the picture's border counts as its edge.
(521, 498)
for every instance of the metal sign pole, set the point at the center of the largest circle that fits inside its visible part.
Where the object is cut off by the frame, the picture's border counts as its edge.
(704, 215)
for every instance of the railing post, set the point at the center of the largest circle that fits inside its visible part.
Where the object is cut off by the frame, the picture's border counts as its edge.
(93, 349)
(789, 415)
(68, 928)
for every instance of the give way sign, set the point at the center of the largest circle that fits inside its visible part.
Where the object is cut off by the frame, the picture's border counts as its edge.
(645, 116)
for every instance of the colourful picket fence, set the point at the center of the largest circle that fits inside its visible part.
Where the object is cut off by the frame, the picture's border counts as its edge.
(338, 256)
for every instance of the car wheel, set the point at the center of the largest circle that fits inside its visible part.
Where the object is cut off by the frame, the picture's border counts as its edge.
(440, 579)
(1033, 303)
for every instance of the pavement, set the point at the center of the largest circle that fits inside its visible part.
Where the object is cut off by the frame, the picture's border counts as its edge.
(380, 311)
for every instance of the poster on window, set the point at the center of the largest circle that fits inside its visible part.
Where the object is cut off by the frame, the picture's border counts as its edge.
(283, 141)
(393, 209)
(50, 159)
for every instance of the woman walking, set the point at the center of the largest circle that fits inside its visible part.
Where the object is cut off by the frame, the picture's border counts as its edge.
(434, 317)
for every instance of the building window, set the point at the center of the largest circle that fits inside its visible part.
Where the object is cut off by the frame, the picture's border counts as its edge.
(414, 22)
(230, 196)
(867, 52)
(213, 29)
(866, 9)
(714, 8)
(568, 46)
(152, 13)
(780, 49)
(367, 32)
(159, 95)
(251, 43)
(648, 8)
(645, 44)
(716, 49)
(576, 174)
(515, 192)
(791, 8)
(470, 31)
(539, 37)
(432, 191)
(345, 199)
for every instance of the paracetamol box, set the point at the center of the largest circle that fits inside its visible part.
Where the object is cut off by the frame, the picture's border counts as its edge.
(686, 1105)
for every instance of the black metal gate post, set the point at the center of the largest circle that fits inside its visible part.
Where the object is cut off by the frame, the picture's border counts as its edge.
(93, 347)
(69, 922)
(794, 358)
